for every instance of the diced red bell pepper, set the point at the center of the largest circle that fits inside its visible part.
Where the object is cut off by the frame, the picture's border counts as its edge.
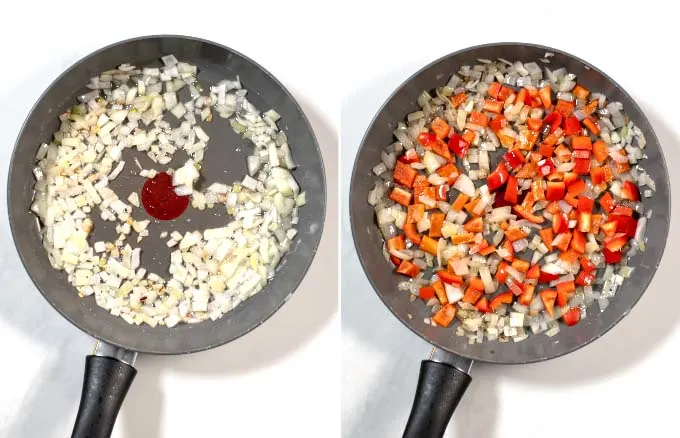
(585, 278)
(450, 278)
(564, 292)
(533, 273)
(555, 190)
(554, 120)
(503, 298)
(514, 158)
(404, 174)
(612, 257)
(560, 223)
(582, 166)
(493, 106)
(427, 139)
(545, 95)
(589, 123)
(616, 242)
(537, 190)
(401, 196)
(528, 294)
(440, 128)
(483, 305)
(440, 292)
(439, 148)
(546, 167)
(582, 154)
(581, 142)
(576, 187)
(498, 177)
(630, 191)
(407, 268)
(450, 172)
(504, 93)
(584, 222)
(477, 118)
(410, 156)
(578, 241)
(442, 192)
(580, 92)
(528, 215)
(458, 99)
(411, 232)
(564, 107)
(587, 265)
(445, 315)
(535, 124)
(501, 272)
(472, 295)
(458, 145)
(572, 126)
(624, 224)
(609, 229)
(607, 202)
(511, 191)
(426, 293)
(622, 210)
(507, 246)
(600, 151)
(572, 317)
(494, 89)
(597, 175)
(585, 204)
(546, 277)
(548, 297)
(499, 122)
(547, 237)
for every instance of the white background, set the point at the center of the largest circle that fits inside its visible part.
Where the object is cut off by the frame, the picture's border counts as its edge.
(617, 386)
(279, 380)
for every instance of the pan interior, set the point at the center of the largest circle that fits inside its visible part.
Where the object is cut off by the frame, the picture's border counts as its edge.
(368, 240)
(225, 161)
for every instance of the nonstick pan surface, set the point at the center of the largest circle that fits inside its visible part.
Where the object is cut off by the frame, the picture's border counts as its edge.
(225, 161)
(368, 240)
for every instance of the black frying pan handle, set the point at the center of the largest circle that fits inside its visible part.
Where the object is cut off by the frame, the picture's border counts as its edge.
(440, 388)
(105, 386)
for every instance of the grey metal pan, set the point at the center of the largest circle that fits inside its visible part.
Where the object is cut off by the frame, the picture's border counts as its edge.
(109, 372)
(451, 381)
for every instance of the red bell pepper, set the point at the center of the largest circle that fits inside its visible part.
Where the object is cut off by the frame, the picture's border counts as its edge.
(477, 118)
(499, 122)
(511, 191)
(528, 294)
(498, 177)
(426, 293)
(410, 156)
(581, 142)
(407, 268)
(411, 232)
(564, 292)
(404, 174)
(555, 190)
(545, 95)
(624, 224)
(547, 278)
(584, 222)
(578, 241)
(528, 215)
(548, 297)
(440, 128)
(607, 202)
(612, 257)
(427, 139)
(503, 298)
(401, 196)
(546, 167)
(501, 272)
(600, 151)
(493, 106)
(597, 175)
(483, 305)
(585, 278)
(616, 242)
(554, 120)
(533, 273)
(535, 124)
(560, 223)
(572, 126)
(582, 166)
(630, 191)
(572, 317)
(458, 145)
(585, 204)
(445, 315)
(514, 158)
(450, 278)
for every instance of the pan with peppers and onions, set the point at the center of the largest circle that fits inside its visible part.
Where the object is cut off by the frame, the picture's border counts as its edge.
(509, 204)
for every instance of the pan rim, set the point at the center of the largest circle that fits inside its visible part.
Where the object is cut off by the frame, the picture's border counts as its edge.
(315, 244)
(366, 268)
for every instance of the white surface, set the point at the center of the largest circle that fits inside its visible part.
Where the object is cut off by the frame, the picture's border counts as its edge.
(611, 388)
(276, 381)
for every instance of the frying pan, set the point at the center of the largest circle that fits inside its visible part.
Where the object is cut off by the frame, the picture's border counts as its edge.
(444, 377)
(109, 372)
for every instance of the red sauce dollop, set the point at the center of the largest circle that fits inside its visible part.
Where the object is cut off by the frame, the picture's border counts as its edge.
(160, 200)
